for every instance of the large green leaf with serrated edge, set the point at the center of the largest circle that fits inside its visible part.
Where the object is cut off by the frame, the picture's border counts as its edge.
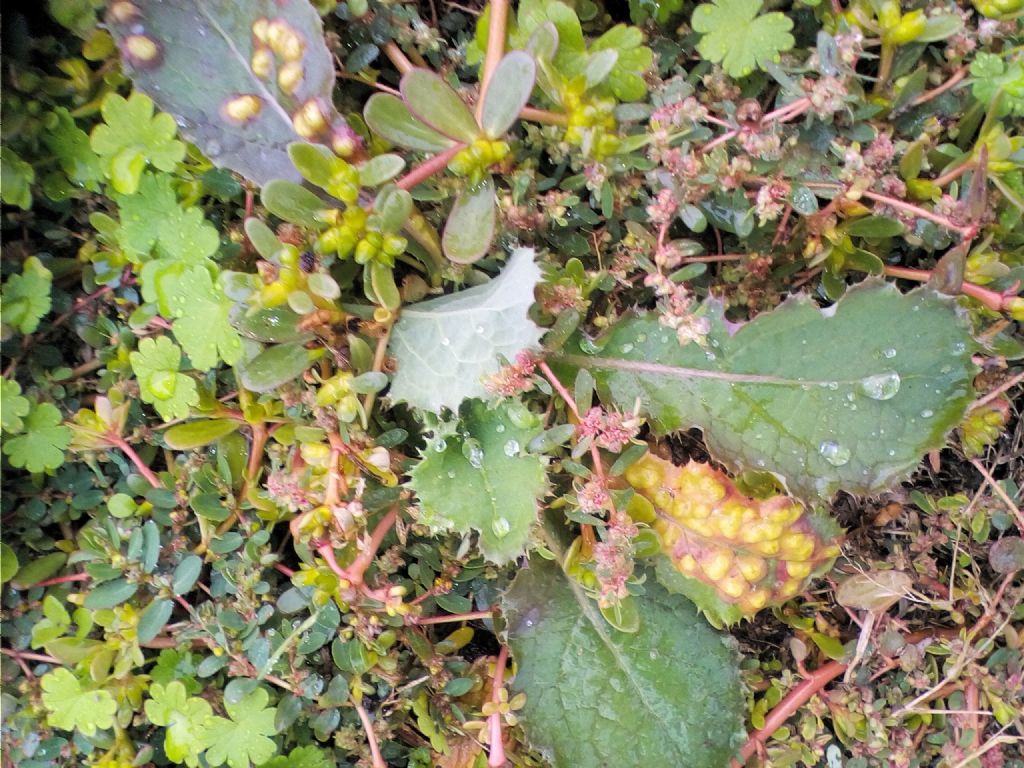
(195, 57)
(847, 398)
(668, 694)
(446, 346)
(481, 478)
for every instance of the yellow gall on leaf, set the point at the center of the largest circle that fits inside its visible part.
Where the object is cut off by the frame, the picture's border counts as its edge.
(259, 28)
(752, 552)
(289, 77)
(309, 120)
(142, 51)
(123, 12)
(244, 108)
(262, 62)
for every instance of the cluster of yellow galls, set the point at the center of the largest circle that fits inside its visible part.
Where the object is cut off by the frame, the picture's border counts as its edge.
(276, 37)
(591, 124)
(355, 233)
(752, 552)
(473, 161)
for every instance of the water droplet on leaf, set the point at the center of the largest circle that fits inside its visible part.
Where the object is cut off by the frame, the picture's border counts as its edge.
(501, 527)
(880, 386)
(834, 453)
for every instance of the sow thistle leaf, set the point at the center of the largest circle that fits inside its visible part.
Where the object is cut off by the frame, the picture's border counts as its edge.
(481, 479)
(735, 36)
(847, 398)
(242, 97)
(750, 552)
(667, 694)
(446, 346)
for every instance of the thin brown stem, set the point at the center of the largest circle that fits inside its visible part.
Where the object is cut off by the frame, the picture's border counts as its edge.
(544, 116)
(28, 656)
(1003, 495)
(927, 96)
(1004, 387)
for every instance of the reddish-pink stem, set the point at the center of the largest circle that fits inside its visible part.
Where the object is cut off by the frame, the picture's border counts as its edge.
(918, 211)
(119, 442)
(453, 617)
(428, 168)
(496, 758)
(795, 699)
(989, 298)
(371, 737)
(63, 579)
(29, 656)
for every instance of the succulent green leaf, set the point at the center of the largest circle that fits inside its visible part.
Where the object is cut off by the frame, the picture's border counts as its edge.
(13, 406)
(262, 238)
(846, 398)
(26, 297)
(389, 118)
(8, 563)
(110, 593)
(499, 483)
(295, 204)
(274, 366)
(202, 71)
(446, 346)
(37, 570)
(509, 91)
(196, 434)
(72, 708)
(201, 312)
(470, 227)
(667, 694)
(737, 38)
(40, 448)
(245, 738)
(131, 137)
(156, 366)
(434, 102)
(186, 574)
(876, 227)
(380, 169)
(185, 717)
(153, 618)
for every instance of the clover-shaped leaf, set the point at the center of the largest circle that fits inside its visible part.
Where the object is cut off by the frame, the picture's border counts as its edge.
(245, 738)
(132, 136)
(156, 366)
(41, 446)
(991, 75)
(12, 406)
(26, 297)
(185, 717)
(71, 708)
(735, 36)
(201, 322)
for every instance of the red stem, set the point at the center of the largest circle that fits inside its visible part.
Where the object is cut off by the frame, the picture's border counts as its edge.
(454, 617)
(989, 298)
(63, 579)
(119, 442)
(428, 168)
(496, 758)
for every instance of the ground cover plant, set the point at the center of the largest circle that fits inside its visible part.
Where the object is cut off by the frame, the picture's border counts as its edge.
(539, 384)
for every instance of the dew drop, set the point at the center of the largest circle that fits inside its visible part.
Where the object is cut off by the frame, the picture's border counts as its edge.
(451, 474)
(627, 348)
(889, 353)
(479, 329)
(641, 338)
(441, 446)
(500, 428)
(927, 413)
(834, 453)
(880, 386)
(474, 454)
(445, 341)
(501, 527)
(959, 348)
(213, 149)
(511, 448)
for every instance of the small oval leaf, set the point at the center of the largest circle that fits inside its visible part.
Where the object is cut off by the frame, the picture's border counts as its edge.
(389, 118)
(509, 90)
(154, 618)
(295, 204)
(470, 227)
(380, 169)
(274, 366)
(196, 434)
(434, 102)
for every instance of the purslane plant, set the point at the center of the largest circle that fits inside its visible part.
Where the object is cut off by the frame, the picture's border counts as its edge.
(424, 359)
